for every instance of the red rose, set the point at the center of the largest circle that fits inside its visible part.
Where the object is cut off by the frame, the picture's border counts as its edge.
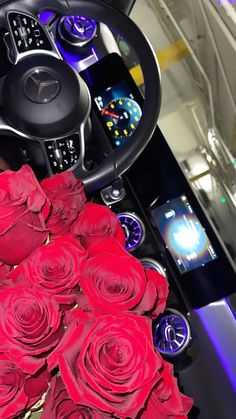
(116, 283)
(4, 271)
(166, 401)
(67, 196)
(161, 287)
(109, 245)
(58, 405)
(95, 223)
(54, 268)
(108, 363)
(30, 326)
(24, 208)
(19, 391)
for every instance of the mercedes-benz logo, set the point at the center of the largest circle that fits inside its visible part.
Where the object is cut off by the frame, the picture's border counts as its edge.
(41, 86)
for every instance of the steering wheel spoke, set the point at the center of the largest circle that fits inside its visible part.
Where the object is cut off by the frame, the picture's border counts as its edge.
(26, 37)
(5, 127)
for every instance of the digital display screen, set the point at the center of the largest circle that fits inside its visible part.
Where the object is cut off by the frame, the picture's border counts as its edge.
(183, 234)
(119, 112)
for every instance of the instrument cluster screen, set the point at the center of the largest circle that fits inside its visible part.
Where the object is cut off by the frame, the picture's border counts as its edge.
(183, 234)
(119, 112)
(117, 100)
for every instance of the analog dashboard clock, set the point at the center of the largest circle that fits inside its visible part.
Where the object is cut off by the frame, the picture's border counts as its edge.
(121, 117)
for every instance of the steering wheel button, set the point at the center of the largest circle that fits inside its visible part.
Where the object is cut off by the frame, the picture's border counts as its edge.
(22, 31)
(50, 147)
(37, 32)
(57, 153)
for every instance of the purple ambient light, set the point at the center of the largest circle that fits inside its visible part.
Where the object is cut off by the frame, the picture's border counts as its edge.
(133, 228)
(77, 30)
(229, 1)
(45, 16)
(215, 317)
(171, 333)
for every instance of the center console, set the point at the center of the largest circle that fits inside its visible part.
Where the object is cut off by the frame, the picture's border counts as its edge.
(167, 229)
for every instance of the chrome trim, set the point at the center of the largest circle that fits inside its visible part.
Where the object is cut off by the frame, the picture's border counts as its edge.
(177, 313)
(146, 262)
(138, 219)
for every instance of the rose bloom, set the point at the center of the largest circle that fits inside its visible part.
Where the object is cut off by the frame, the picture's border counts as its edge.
(24, 208)
(161, 286)
(67, 196)
(58, 405)
(108, 363)
(54, 268)
(166, 401)
(4, 271)
(30, 326)
(97, 222)
(18, 391)
(109, 245)
(113, 283)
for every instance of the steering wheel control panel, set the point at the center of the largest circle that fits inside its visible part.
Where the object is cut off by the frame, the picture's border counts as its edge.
(117, 100)
(27, 36)
(63, 154)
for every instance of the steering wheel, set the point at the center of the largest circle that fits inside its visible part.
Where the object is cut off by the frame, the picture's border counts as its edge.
(64, 110)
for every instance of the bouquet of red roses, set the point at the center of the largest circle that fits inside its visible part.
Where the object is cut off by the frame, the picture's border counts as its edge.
(76, 310)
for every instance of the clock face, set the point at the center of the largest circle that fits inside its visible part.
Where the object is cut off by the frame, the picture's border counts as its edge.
(121, 117)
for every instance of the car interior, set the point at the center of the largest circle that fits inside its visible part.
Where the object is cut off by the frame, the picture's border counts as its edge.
(107, 134)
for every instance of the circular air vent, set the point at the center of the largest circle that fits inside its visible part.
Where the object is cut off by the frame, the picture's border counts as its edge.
(77, 30)
(149, 263)
(171, 333)
(133, 228)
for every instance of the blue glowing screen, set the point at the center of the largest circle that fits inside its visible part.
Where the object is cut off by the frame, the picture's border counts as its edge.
(183, 234)
(119, 111)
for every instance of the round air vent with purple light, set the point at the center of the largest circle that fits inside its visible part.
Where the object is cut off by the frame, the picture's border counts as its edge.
(133, 228)
(77, 30)
(149, 263)
(171, 333)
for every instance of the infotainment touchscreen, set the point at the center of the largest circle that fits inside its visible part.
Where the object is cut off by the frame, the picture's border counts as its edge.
(183, 234)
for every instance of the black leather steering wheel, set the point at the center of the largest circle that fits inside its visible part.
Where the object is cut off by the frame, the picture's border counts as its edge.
(121, 158)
